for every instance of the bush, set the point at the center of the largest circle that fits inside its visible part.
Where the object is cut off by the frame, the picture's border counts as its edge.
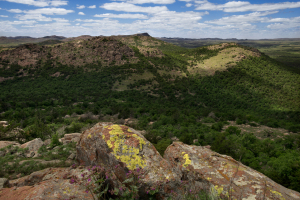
(240, 121)
(231, 130)
(208, 120)
(217, 126)
(55, 140)
(162, 145)
(74, 128)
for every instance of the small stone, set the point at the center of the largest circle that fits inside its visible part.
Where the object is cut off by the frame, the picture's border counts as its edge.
(72, 156)
(57, 147)
(3, 182)
(54, 153)
(30, 155)
(37, 155)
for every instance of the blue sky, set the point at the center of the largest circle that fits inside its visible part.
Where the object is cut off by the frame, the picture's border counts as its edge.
(160, 18)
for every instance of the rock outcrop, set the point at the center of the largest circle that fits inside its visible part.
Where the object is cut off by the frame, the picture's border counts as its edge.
(72, 137)
(45, 185)
(184, 168)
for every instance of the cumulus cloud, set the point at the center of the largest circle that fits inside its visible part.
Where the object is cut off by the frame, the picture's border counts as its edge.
(81, 13)
(37, 17)
(59, 3)
(283, 23)
(149, 1)
(38, 14)
(3, 16)
(242, 19)
(123, 16)
(188, 5)
(128, 7)
(80, 7)
(93, 6)
(40, 3)
(49, 11)
(243, 6)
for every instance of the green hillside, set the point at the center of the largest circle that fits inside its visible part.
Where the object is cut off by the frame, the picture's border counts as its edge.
(168, 90)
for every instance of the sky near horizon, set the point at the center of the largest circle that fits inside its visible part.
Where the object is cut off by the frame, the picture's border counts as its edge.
(251, 19)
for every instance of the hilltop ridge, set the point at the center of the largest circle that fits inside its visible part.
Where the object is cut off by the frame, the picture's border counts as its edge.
(171, 92)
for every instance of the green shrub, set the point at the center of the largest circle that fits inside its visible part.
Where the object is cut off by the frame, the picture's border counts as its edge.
(74, 128)
(231, 130)
(208, 120)
(240, 121)
(55, 140)
(217, 126)
(162, 145)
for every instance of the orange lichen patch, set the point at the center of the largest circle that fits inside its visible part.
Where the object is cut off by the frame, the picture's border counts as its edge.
(224, 175)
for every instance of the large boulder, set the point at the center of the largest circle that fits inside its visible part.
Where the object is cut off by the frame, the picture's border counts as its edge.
(33, 145)
(110, 145)
(229, 177)
(51, 183)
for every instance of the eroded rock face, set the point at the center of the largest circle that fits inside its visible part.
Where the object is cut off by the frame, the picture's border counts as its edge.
(228, 176)
(46, 184)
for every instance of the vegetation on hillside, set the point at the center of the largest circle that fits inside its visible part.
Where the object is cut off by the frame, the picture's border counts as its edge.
(169, 100)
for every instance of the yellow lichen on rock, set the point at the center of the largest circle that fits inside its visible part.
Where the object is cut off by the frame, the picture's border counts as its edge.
(126, 154)
(278, 194)
(187, 159)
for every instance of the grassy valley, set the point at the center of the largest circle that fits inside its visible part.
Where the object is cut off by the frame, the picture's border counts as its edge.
(232, 97)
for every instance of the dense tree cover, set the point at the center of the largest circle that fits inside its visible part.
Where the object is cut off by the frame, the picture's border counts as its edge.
(255, 91)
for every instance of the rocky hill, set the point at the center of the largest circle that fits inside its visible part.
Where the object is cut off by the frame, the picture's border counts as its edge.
(231, 97)
(120, 150)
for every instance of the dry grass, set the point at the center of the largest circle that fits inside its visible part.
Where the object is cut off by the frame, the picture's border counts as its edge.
(226, 58)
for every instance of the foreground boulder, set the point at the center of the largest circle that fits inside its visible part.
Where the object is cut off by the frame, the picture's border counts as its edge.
(46, 184)
(110, 145)
(229, 177)
(184, 168)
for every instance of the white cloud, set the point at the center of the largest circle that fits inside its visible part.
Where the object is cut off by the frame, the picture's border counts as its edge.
(284, 23)
(124, 16)
(59, 3)
(37, 17)
(80, 6)
(40, 3)
(127, 7)
(242, 19)
(3, 16)
(243, 6)
(93, 6)
(49, 11)
(188, 5)
(81, 13)
(15, 11)
(149, 1)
